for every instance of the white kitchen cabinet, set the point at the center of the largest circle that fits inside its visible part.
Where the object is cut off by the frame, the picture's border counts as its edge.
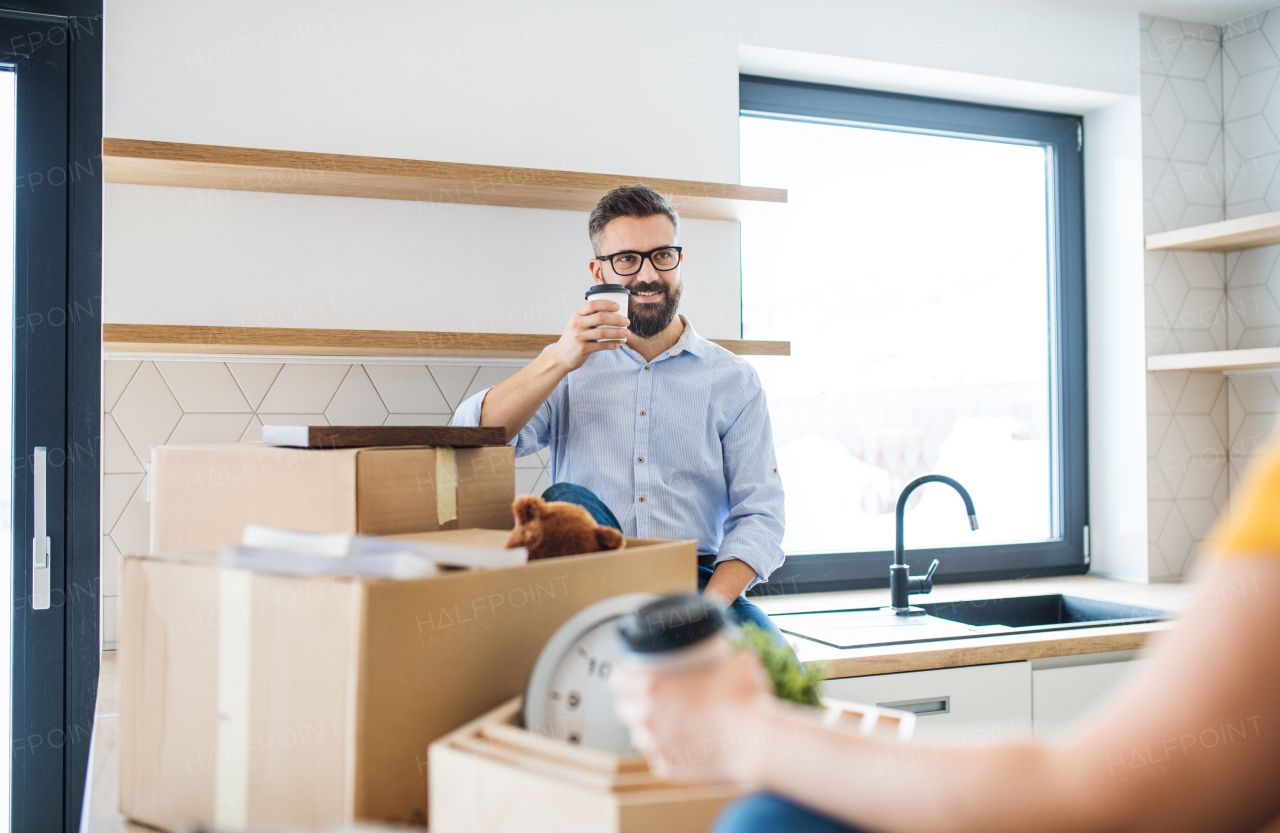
(950, 701)
(1063, 688)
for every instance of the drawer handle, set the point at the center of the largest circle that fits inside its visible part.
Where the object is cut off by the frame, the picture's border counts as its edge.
(922, 707)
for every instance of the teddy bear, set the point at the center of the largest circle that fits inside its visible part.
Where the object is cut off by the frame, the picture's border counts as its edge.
(550, 529)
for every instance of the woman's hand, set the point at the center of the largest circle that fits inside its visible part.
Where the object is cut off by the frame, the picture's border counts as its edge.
(704, 722)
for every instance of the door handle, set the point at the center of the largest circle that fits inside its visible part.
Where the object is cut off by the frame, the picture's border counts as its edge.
(41, 543)
(922, 707)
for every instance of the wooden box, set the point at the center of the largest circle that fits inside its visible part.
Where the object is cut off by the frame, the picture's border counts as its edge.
(492, 776)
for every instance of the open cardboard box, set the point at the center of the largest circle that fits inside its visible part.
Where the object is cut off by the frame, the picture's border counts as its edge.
(250, 699)
(493, 776)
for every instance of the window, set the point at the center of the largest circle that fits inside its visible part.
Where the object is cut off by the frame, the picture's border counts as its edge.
(927, 270)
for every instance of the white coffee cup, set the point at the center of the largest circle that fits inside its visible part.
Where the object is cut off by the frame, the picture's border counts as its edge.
(615, 292)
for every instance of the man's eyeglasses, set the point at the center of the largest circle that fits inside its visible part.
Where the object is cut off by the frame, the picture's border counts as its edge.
(628, 263)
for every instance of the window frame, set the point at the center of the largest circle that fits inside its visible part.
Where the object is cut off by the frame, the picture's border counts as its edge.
(1062, 135)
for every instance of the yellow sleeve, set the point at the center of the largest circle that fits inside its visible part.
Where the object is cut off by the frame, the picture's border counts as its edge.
(1251, 524)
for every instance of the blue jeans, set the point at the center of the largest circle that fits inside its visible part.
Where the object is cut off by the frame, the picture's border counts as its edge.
(740, 612)
(769, 813)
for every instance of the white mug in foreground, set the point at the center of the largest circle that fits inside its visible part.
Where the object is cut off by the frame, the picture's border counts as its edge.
(615, 292)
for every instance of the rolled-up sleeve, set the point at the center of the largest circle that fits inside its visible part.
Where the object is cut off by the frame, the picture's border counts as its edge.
(535, 436)
(754, 527)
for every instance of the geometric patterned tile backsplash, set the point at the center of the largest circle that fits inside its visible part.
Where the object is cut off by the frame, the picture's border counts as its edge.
(1211, 150)
(1251, 62)
(1184, 153)
(149, 403)
(1188, 480)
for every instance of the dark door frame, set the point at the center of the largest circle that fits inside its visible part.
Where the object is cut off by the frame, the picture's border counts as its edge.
(57, 399)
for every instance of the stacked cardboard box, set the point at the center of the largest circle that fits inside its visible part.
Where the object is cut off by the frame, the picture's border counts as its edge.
(251, 699)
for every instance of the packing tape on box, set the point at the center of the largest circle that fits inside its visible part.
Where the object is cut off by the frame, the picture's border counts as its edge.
(231, 785)
(446, 485)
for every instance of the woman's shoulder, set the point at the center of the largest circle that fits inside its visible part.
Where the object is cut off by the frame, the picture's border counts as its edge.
(1250, 526)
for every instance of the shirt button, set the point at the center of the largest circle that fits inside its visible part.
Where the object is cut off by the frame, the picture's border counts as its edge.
(642, 498)
(642, 413)
(641, 459)
(646, 367)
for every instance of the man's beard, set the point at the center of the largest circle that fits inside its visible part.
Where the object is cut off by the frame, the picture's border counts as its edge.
(649, 318)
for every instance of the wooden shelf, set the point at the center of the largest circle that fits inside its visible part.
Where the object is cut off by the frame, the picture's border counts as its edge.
(294, 172)
(1257, 358)
(1226, 236)
(295, 341)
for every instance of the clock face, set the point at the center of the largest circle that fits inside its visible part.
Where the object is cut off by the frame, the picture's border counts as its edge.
(568, 694)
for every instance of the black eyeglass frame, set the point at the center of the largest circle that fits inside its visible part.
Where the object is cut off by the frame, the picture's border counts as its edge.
(643, 257)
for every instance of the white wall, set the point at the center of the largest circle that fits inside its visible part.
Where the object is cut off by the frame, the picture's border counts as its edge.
(504, 83)
(522, 84)
(1116, 355)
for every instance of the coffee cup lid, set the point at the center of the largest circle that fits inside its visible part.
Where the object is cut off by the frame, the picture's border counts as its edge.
(607, 287)
(671, 623)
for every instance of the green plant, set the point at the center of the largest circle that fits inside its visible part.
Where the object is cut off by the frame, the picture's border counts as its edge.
(791, 679)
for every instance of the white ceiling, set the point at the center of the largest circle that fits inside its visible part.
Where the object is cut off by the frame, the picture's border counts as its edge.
(1199, 11)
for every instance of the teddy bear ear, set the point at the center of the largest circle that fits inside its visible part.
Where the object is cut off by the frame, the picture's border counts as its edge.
(527, 508)
(608, 538)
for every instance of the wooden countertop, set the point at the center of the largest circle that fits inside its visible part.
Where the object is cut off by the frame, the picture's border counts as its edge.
(890, 659)
(102, 816)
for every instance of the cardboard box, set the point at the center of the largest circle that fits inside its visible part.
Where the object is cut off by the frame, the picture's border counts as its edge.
(492, 776)
(270, 700)
(202, 496)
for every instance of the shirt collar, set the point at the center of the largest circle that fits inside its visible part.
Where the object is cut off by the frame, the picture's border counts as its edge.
(689, 340)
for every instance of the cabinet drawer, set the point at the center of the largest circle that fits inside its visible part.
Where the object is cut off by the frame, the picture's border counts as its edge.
(950, 698)
(1060, 695)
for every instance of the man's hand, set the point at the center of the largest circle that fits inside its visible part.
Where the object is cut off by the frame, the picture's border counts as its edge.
(513, 403)
(580, 339)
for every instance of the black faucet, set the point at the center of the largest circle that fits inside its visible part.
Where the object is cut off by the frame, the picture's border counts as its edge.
(902, 585)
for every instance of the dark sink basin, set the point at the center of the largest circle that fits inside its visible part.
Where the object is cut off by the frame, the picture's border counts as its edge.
(945, 621)
(1040, 611)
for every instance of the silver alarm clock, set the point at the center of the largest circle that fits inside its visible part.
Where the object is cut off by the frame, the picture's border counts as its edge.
(568, 694)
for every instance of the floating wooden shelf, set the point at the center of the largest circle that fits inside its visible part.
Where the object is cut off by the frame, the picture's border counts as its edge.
(296, 341)
(294, 172)
(1256, 358)
(1226, 236)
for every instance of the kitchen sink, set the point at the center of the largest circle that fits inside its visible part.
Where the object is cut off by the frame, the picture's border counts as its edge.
(1039, 611)
(942, 621)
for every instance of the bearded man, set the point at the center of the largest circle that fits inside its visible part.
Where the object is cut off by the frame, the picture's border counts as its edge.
(655, 430)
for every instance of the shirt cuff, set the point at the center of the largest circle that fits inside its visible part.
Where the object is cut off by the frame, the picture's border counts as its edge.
(468, 413)
(760, 563)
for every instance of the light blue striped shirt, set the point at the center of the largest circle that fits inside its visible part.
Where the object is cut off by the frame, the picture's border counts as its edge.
(679, 447)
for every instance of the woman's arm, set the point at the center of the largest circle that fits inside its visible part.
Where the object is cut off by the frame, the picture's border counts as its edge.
(1193, 743)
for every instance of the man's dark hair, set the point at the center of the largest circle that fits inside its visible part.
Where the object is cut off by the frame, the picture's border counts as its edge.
(637, 200)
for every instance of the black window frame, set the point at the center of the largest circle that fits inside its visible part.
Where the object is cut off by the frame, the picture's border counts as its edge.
(1063, 135)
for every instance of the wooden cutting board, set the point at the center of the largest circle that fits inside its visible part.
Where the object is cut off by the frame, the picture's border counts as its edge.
(353, 436)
